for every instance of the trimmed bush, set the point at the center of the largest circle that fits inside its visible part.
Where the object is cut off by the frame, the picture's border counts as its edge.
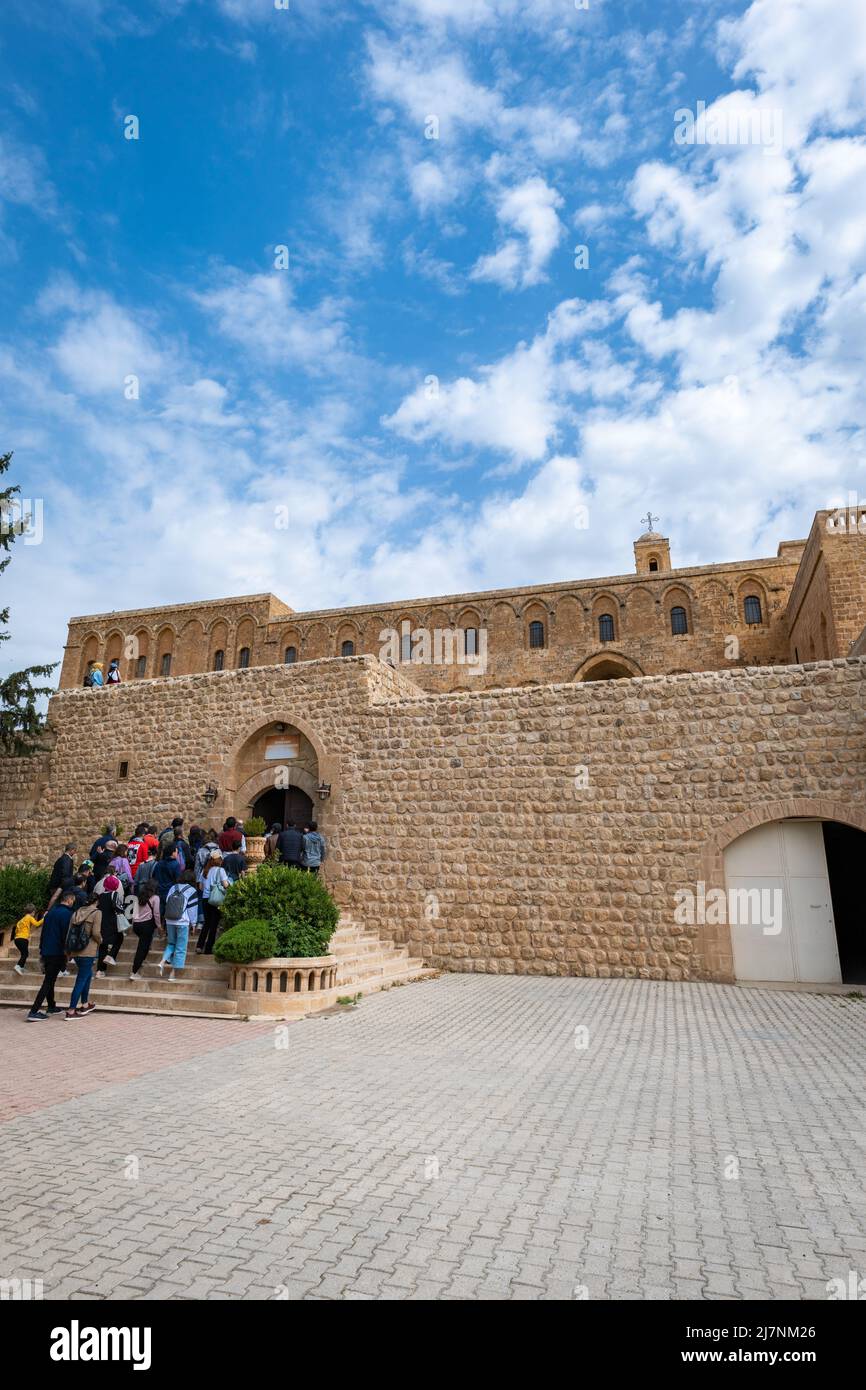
(298, 907)
(248, 941)
(20, 884)
(255, 826)
(300, 938)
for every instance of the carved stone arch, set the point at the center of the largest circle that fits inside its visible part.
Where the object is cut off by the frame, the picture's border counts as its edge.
(165, 645)
(91, 647)
(595, 666)
(750, 586)
(714, 941)
(115, 645)
(244, 638)
(348, 631)
(249, 791)
(191, 648)
(605, 603)
(538, 601)
(289, 637)
(678, 596)
(317, 641)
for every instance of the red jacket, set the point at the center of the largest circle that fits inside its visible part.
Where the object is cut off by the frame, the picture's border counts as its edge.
(147, 841)
(230, 839)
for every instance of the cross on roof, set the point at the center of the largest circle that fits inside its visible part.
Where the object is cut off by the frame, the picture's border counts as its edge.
(649, 519)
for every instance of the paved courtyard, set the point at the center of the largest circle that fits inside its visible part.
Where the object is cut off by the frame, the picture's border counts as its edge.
(462, 1138)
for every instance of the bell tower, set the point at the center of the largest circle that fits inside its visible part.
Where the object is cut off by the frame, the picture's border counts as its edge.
(652, 551)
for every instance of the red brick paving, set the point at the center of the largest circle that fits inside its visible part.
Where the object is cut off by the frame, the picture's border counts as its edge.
(42, 1064)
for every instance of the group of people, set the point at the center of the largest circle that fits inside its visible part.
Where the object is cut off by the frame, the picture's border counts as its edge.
(94, 678)
(167, 882)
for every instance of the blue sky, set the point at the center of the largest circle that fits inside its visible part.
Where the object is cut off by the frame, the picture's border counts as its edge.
(431, 393)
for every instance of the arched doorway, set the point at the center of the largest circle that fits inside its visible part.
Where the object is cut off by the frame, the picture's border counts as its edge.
(607, 666)
(792, 902)
(292, 806)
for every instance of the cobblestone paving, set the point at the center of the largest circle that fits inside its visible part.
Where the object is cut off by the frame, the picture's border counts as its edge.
(454, 1140)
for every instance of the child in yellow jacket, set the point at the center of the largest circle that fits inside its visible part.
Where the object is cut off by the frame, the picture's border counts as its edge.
(21, 935)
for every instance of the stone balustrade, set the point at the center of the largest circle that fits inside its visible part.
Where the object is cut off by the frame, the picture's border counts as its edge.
(284, 985)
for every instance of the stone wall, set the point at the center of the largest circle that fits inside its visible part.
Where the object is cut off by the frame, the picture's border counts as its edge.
(261, 630)
(529, 830)
(827, 606)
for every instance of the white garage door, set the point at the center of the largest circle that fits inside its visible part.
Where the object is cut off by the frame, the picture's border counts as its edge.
(784, 861)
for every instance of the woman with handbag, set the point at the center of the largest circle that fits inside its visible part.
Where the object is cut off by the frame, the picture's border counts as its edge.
(215, 882)
(109, 896)
(145, 920)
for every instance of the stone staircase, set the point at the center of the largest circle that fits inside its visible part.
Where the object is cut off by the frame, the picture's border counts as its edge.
(365, 963)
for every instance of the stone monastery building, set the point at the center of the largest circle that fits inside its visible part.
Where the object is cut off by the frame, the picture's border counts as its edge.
(658, 774)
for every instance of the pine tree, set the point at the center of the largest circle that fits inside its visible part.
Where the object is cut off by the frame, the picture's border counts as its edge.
(22, 727)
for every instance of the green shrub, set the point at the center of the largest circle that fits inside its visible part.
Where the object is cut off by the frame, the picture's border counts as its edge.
(286, 898)
(248, 941)
(300, 938)
(20, 884)
(255, 826)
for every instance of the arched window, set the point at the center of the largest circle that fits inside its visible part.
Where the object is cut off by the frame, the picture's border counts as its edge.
(536, 634)
(165, 667)
(653, 565)
(679, 621)
(219, 660)
(406, 647)
(471, 641)
(347, 649)
(752, 608)
(244, 658)
(141, 666)
(605, 628)
(291, 656)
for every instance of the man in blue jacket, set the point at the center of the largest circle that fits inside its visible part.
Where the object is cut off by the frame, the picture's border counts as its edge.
(52, 949)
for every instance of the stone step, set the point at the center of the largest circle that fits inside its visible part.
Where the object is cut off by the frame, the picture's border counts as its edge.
(169, 1000)
(195, 968)
(390, 971)
(214, 989)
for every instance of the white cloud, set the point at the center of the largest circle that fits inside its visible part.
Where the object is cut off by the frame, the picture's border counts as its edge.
(259, 311)
(101, 345)
(530, 210)
(427, 81)
(511, 406)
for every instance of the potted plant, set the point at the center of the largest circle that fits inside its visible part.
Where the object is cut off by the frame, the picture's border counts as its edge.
(279, 923)
(254, 832)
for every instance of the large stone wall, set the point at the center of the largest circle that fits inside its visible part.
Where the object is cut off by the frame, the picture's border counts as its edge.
(262, 629)
(530, 830)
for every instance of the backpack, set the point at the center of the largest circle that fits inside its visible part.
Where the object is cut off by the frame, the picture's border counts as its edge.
(132, 849)
(88, 681)
(217, 895)
(175, 905)
(77, 936)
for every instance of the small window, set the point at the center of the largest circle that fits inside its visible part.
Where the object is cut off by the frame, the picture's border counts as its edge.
(653, 565)
(219, 660)
(347, 649)
(752, 609)
(796, 656)
(291, 656)
(406, 647)
(141, 666)
(123, 772)
(165, 665)
(471, 641)
(536, 634)
(679, 621)
(605, 628)
(244, 658)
